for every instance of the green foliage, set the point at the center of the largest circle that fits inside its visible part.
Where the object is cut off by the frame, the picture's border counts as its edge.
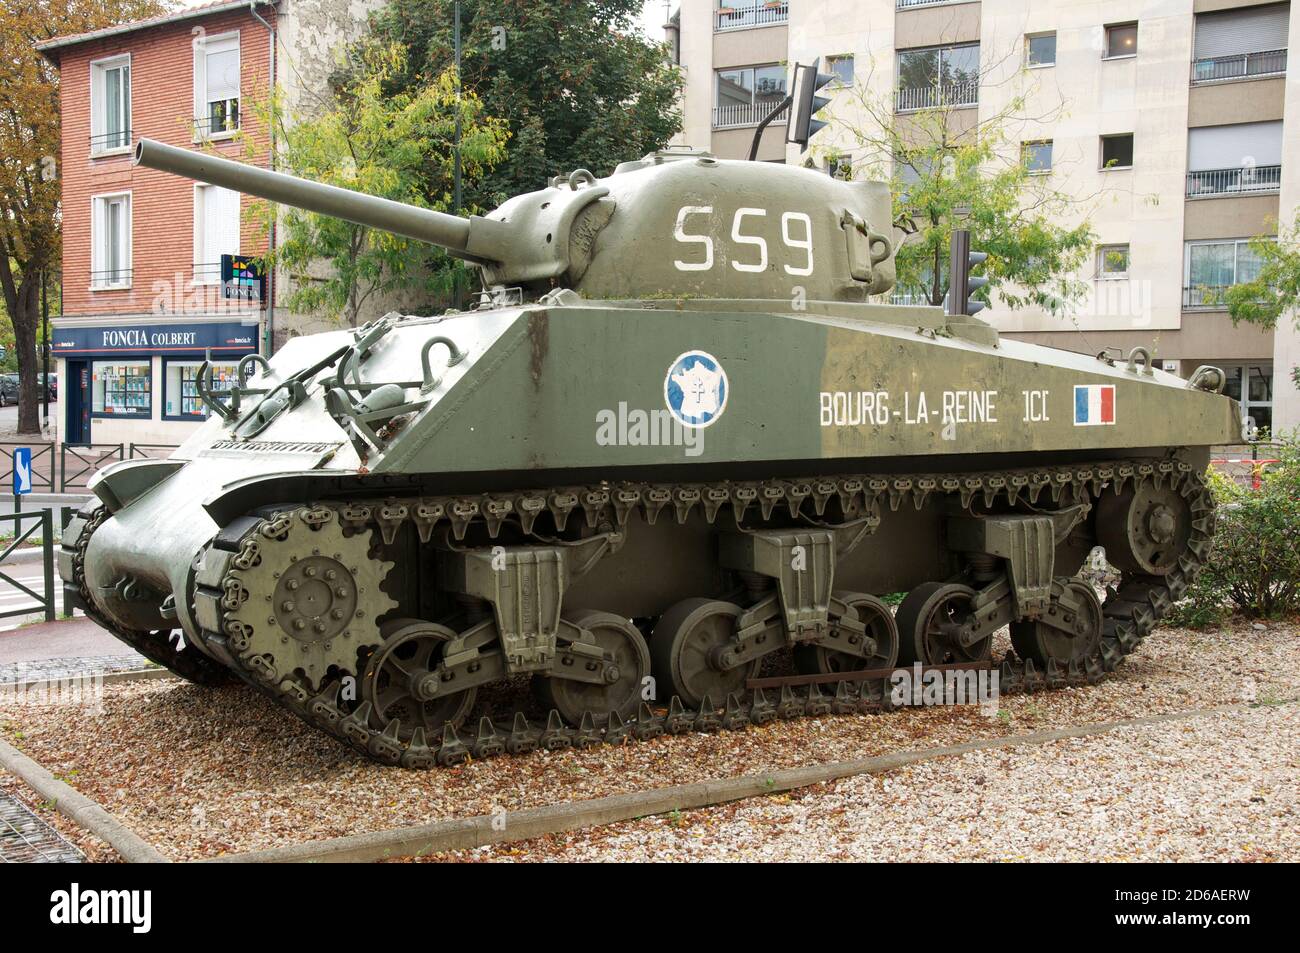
(944, 174)
(1276, 289)
(1253, 568)
(578, 86)
(396, 144)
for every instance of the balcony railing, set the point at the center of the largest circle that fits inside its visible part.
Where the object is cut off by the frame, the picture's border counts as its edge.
(1215, 69)
(741, 114)
(1205, 297)
(933, 97)
(739, 15)
(107, 278)
(111, 140)
(909, 4)
(1239, 181)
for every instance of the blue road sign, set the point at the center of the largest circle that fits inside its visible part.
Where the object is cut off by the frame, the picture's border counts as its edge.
(22, 470)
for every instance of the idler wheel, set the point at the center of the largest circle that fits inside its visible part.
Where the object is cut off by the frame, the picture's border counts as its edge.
(879, 623)
(931, 622)
(624, 642)
(1076, 637)
(1144, 530)
(411, 650)
(684, 646)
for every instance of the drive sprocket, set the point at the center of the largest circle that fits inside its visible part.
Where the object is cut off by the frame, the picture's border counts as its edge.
(304, 598)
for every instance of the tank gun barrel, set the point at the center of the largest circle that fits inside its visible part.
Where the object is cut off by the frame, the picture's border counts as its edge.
(426, 225)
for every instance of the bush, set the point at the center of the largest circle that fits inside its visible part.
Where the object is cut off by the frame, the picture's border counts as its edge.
(1253, 568)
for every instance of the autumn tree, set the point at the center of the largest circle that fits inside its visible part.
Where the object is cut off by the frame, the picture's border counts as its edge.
(396, 144)
(29, 149)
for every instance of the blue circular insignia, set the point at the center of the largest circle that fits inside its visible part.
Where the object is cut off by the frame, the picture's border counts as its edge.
(695, 389)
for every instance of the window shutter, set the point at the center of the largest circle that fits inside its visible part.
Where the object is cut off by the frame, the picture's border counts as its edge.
(1229, 147)
(220, 224)
(1233, 32)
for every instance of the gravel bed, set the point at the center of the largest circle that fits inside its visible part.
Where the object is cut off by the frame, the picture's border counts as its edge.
(201, 772)
(1219, 788)
(71, 667)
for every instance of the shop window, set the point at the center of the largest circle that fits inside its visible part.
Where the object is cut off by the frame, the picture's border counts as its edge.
(122, 389)
(180, 393)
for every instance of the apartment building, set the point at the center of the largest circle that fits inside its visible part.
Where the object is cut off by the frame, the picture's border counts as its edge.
(162, 273)
(1167, 118)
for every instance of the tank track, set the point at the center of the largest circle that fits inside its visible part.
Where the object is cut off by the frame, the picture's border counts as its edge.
(1129, 611)
(161, 646)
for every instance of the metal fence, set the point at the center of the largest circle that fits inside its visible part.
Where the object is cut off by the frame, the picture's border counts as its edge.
(1245, 180)
(41, 602)
(732, 16)
(58, 468)
(1213, 69)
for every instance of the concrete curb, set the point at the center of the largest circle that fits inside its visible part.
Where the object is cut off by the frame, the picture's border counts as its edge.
(107, 678)
(79, 808)
(463, 833)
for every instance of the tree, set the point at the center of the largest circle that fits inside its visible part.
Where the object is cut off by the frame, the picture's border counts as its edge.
(1275, 289)
(946, 174)
(29, 149)
(393, 144)
(577, 85)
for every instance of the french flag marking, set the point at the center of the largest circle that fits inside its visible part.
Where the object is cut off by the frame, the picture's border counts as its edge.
(1094, 404)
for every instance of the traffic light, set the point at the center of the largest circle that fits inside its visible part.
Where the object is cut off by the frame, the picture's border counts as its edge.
(962, 285)
(807, 81)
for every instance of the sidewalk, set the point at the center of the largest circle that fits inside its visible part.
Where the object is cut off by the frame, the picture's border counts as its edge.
(61, 639)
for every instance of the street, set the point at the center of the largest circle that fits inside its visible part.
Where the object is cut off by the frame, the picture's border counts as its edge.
(9, 418)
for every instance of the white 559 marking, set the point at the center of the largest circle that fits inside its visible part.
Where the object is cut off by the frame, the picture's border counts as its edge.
(797, 242)
(679, 233)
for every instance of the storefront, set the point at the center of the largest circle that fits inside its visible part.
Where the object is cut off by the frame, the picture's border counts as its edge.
(134, 382)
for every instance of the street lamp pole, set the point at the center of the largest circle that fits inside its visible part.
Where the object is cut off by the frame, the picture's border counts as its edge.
(45, 350)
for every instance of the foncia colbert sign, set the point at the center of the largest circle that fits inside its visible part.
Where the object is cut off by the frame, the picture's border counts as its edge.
(225, 338)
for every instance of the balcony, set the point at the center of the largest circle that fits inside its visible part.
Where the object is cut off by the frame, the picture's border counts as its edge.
(933, 97)
(743, 15)
(741, 114)
(909, 4)
(1211, 183)
(1217, 69)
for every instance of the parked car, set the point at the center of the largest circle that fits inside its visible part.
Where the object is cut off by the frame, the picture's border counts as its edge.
(9, 388)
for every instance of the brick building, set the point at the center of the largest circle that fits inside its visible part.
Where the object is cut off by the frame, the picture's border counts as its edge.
(159, 272)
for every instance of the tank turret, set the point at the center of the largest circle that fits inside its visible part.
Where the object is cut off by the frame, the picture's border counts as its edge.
(677, 223)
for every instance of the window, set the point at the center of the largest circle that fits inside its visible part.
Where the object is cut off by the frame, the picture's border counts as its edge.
(747, 95)
(1112, 261)
(1121, 40)
(1252, 386)
(1231, 160)
(1241, 44)
(180, 393)
(216, 230)
(1037, 156)
(1040, 50)
(216, 86)
(110, 105)
(121, 388)
(840, 166)
(942, 76)
(1211, 267)
(1117, 151)
(841, 67)
(110, 241)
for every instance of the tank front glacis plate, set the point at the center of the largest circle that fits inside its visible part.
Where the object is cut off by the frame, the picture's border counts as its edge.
(611, 387)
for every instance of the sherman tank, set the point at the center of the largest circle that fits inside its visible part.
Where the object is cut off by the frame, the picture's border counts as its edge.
(677, 445)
